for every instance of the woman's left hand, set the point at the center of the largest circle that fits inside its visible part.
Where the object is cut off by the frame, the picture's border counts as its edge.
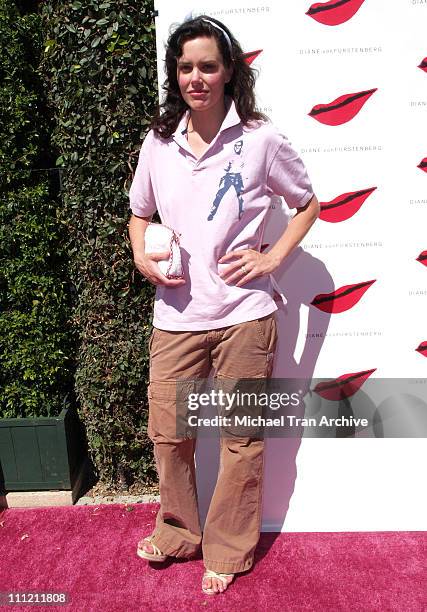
(250, 265)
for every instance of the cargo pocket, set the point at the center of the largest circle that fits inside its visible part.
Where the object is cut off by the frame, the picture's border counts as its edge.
(166, 416)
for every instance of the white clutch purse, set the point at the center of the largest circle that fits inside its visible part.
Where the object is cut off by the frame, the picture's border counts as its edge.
(158, 238)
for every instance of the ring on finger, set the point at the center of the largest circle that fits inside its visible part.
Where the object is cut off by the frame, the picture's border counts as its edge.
(243, 269)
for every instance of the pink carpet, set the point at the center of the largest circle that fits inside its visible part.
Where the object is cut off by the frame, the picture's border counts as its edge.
(89, 552)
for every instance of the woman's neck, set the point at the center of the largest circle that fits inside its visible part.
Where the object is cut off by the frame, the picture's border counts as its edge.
(207, 123)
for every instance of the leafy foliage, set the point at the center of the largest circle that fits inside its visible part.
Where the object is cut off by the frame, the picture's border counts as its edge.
(36, 339)
(100, 64)
(97, 63)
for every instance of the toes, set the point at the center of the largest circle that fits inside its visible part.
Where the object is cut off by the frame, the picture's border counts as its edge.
(211, 584)
(215, 584)
(146, 547)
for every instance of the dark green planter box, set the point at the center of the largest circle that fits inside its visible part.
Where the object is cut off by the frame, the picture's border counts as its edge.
(41, 453)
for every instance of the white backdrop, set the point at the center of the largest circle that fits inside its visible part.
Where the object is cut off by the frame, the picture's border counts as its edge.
(361, 61)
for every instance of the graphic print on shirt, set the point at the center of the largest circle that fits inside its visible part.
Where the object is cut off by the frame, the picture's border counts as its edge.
(231, 178)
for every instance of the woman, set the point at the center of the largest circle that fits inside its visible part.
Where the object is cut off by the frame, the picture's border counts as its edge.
(209, 165)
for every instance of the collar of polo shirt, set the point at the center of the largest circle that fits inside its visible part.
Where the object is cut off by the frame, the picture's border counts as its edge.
(231, 119)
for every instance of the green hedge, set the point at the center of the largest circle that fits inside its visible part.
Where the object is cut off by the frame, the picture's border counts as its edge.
(37, 341)
(100, 66)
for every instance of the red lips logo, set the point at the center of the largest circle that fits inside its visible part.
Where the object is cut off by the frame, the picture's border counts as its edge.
(342, 299)
(251, 55)
(342, 387)
(422, 258)
(334, 12)
(423, 65)
(344, 206)
(423, 165)
(342, 109)
(422, 348)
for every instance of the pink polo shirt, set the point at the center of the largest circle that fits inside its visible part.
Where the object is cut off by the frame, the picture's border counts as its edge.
(217, 203)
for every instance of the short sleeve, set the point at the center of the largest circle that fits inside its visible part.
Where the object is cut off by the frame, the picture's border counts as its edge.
(287, 176)
(141, 194)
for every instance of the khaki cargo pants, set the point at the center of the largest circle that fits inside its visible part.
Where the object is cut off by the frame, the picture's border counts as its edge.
(233, 522)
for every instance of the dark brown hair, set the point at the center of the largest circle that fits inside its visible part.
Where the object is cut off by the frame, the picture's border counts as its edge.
(240, 87)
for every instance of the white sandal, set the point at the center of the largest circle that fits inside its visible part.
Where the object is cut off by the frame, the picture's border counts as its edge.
(211, 574)
(157, 555)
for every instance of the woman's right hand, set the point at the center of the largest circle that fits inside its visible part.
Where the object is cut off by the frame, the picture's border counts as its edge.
(147, 265)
